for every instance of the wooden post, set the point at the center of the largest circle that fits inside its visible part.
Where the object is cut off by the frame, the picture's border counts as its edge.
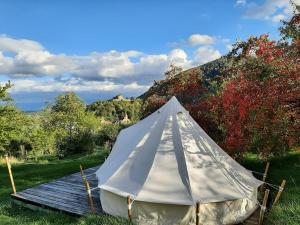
(129, 202)
(90, 196)
(10, 174)
(265, 175)
(198, 213)
(279, 192)
(263, 207)
(88, 189)
(266, 171)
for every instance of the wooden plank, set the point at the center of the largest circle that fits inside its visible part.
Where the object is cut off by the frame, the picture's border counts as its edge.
(76, 199)
(67, 194)
(67, 191)
(55, 200)
(64, 186)
(78, 185)
(51, 204)
(52, 197)
(95, 193)
(28, 203)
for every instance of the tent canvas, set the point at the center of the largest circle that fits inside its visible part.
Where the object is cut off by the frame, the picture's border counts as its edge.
(167, 164)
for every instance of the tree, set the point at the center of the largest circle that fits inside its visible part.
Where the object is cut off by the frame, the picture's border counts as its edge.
(4, 96)
(253, 103)
(173, 71)
(258, 105)
(73, 126)
(13, 125)
(114, 111)
(290, 31)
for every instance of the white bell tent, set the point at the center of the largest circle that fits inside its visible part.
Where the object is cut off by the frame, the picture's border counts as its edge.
(167, 164)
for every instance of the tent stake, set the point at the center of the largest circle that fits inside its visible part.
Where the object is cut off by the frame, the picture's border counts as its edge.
(88, 189)
(129, 208)
(265, 175)
(198, 213)
(279, 192)
(263, 208)
(10, 174)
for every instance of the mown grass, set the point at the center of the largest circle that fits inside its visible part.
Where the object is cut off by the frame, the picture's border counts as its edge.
(42, 171)
(33, 173)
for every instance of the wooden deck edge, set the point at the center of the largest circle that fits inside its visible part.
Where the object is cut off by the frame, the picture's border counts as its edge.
(19, 200)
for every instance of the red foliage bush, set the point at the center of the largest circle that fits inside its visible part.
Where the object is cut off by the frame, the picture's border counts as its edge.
(260, 99)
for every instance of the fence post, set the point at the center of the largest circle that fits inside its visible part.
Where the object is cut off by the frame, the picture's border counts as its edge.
(197, 213)
(263, 207)
(265, 175)
(129, 202)
(88, 189)
(279, 192)
(10, 174)
(266, 171)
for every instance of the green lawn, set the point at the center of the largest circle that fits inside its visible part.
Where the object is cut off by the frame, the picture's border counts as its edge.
(34, 173)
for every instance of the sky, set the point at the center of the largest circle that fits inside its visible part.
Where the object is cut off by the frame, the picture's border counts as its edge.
(101, 48)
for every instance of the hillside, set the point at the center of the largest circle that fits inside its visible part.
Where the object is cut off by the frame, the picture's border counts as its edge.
(206, 72)
(116, 110)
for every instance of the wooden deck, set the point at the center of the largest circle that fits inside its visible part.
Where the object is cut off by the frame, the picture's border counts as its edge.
(68, 194)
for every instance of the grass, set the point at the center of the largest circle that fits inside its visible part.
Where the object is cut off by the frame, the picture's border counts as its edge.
(42, 171)
(28, 174)
(288, 167)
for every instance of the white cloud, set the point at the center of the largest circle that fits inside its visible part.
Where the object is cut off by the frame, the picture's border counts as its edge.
(206, 54)
(8, 44)
(20, 58)
(180, 58)
(278, 18)
(29, 58)
(76, 85)
(241, 2)
(195, 40)
(200, 39)
(229, 47)
(272, 10)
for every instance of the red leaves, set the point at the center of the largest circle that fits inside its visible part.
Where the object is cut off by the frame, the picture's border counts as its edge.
(256, 105)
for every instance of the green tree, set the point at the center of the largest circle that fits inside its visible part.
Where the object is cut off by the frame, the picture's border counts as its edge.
(74, 128)
(114, 111)
(13, 124)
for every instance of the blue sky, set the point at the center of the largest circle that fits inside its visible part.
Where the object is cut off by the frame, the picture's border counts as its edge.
(103, 48)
